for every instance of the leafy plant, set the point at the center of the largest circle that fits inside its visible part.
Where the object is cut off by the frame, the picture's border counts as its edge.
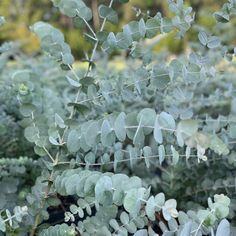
(119, 149)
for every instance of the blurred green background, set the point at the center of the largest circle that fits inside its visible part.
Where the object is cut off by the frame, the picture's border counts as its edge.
(20, 14)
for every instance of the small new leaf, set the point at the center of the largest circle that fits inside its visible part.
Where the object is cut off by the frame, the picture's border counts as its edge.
(213, 42)
(203, 38)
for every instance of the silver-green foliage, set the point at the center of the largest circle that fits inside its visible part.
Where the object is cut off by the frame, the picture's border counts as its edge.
(157, 132)
(228, 10)
(15, 175)
(60, 230)
(12, 219)
(109, 193)
(53, 43)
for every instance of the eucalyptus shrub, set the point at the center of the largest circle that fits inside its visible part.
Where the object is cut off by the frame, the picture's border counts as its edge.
(149, 150)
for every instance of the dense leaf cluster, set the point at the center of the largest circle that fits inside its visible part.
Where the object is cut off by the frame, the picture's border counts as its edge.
(149, 150)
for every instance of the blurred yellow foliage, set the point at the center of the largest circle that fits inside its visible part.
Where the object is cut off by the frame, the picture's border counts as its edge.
(20, 15)
(74, 37)
(28, 40)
